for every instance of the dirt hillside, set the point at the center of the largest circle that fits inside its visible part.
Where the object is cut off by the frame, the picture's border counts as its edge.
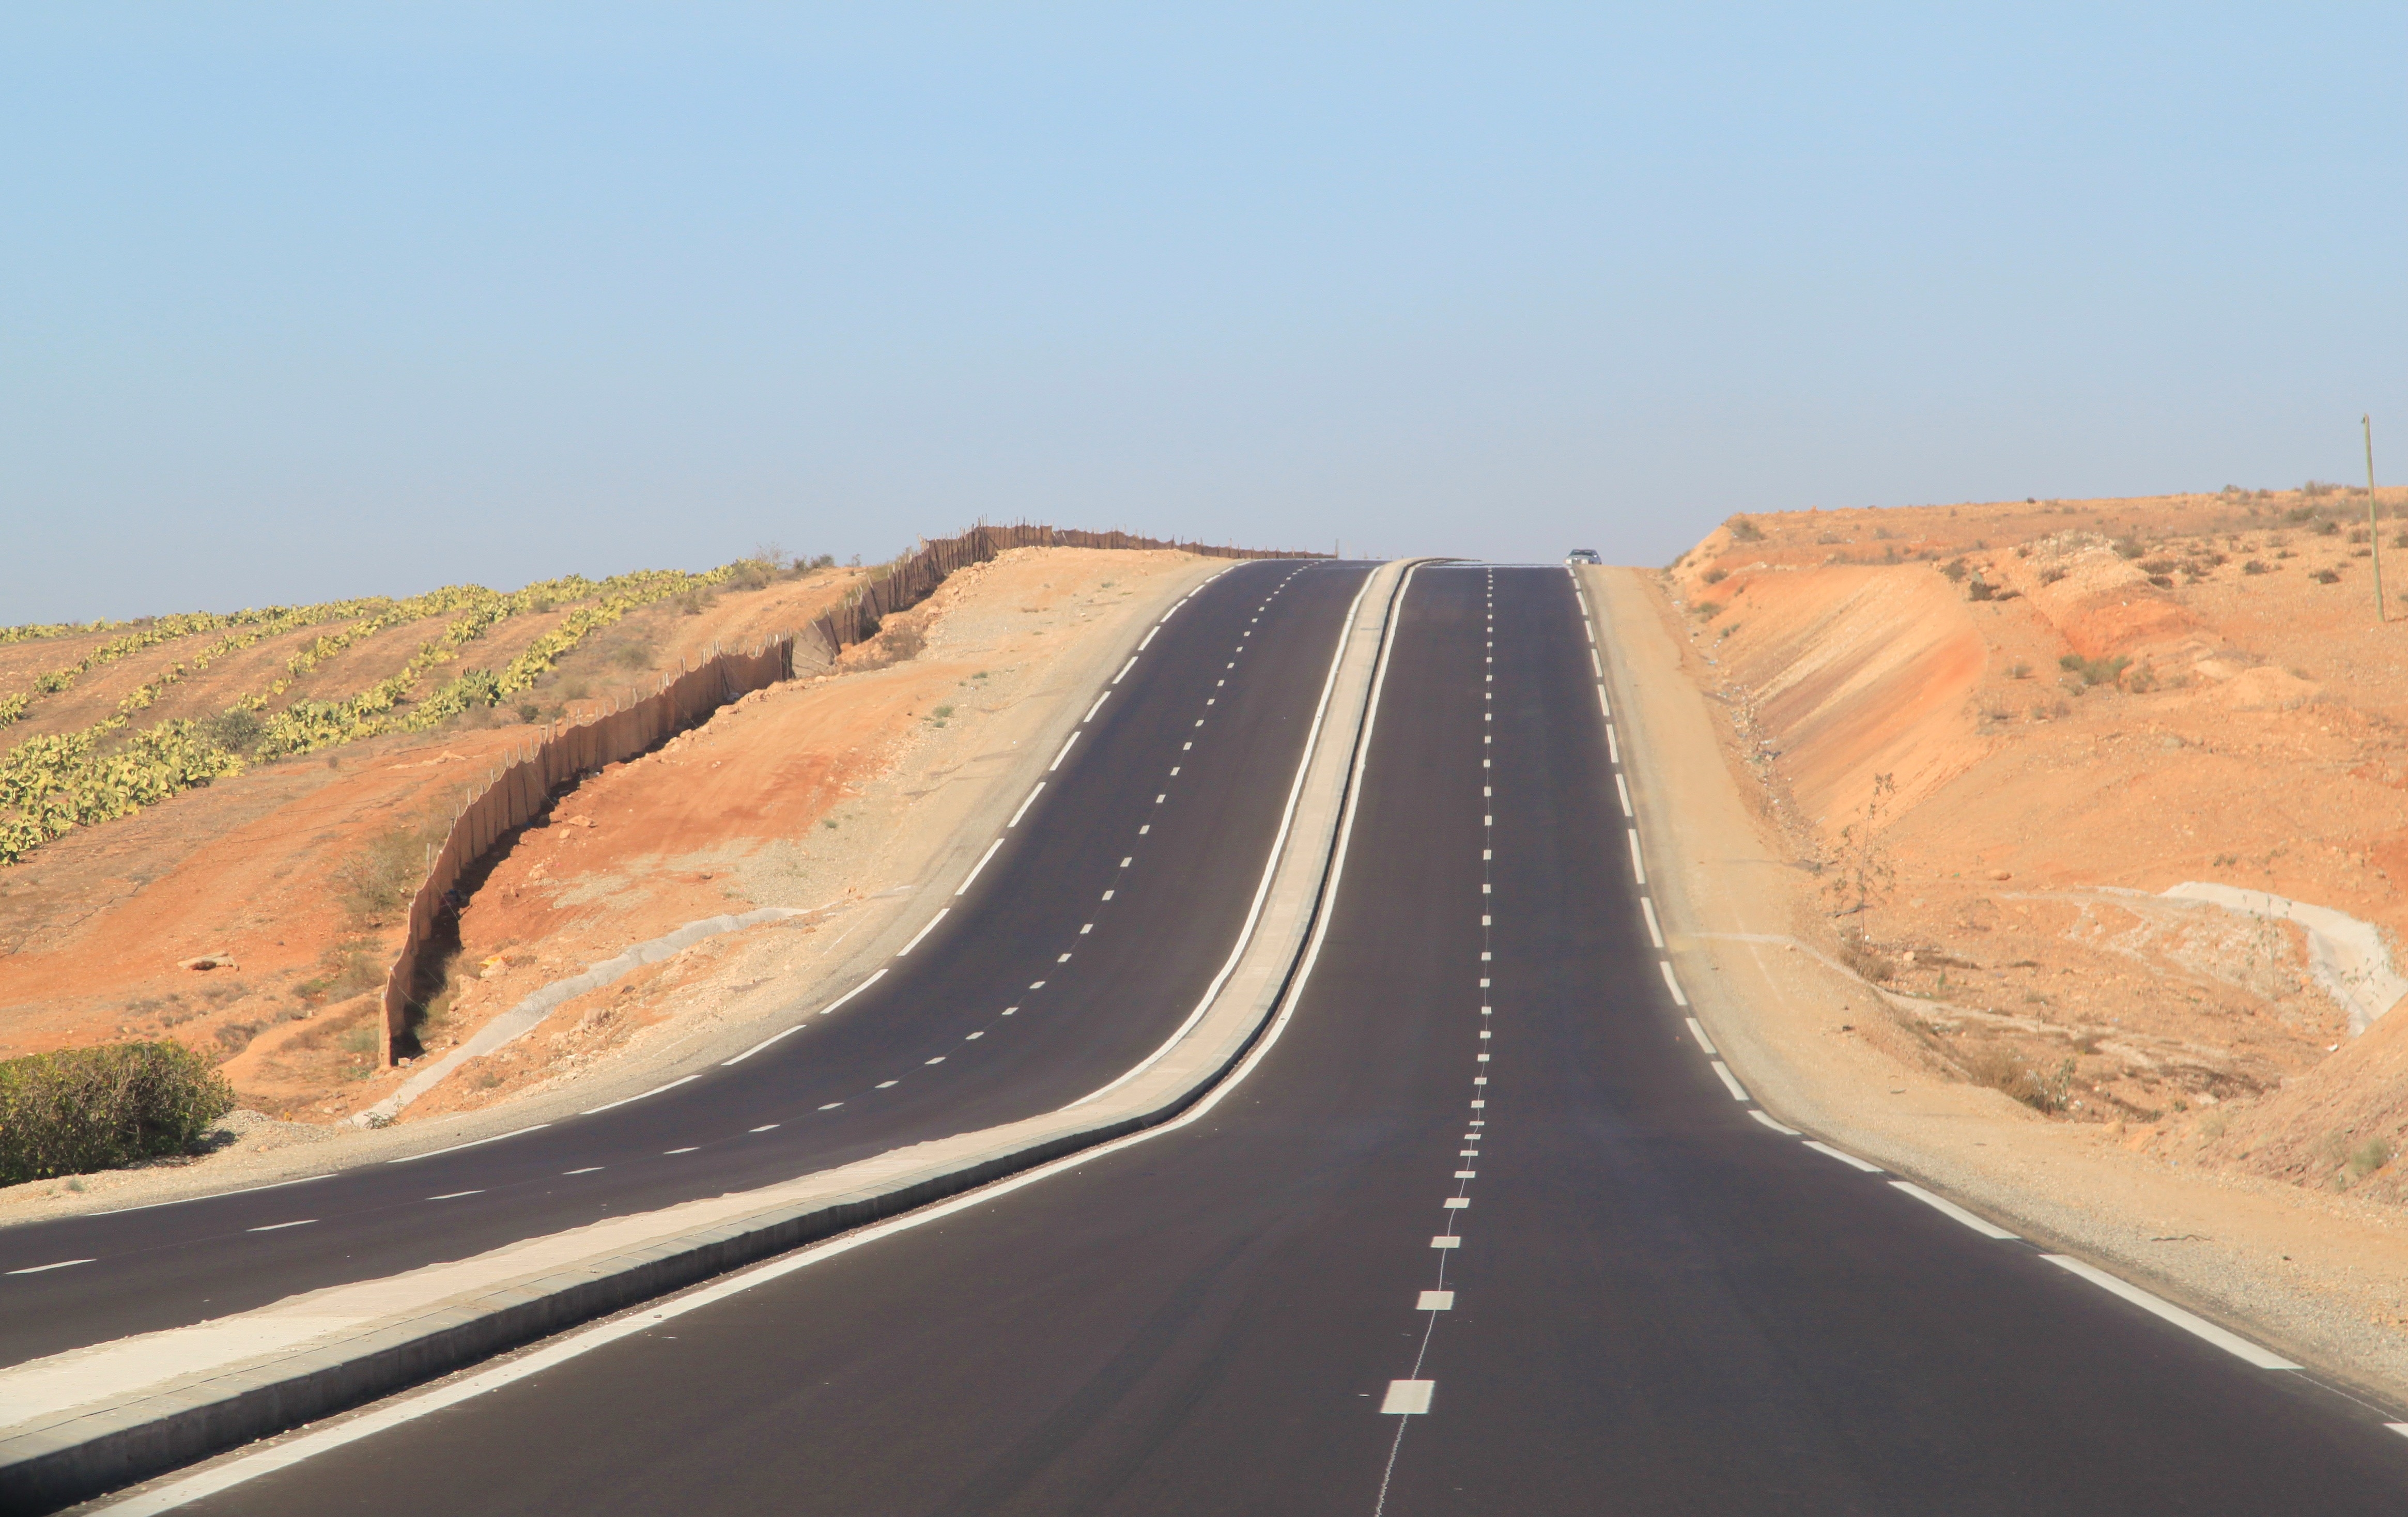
(253, 917)
(2111, 798)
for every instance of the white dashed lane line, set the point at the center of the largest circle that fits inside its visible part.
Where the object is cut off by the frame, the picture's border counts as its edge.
(976, 868)
(480, 1142)
(44, 1270)
(2231, 1343)
(923, 932)
(1849, 1159)
(1730, 1081)
(1951, 1210)
(455, 1195)
(1408, 1398)
(1785, 1132)
(280, 1227)
(610, 1105)
(1024, 806)
(1671, 985)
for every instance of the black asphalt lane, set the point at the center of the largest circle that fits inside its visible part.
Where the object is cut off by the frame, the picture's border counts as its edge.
(1195, 844)
(1660, 1306)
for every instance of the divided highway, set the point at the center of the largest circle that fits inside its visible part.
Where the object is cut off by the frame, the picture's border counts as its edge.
(1089, 932)
(1481, 1226)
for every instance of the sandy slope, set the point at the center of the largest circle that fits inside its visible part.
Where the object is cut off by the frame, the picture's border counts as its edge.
(2014, 924)
(93, 927)
(847, 792)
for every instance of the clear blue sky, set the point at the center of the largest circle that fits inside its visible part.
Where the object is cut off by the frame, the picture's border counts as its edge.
(330, 299)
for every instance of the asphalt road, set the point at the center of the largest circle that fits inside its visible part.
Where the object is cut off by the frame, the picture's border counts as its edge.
(1650, 1300)
(1121, 889)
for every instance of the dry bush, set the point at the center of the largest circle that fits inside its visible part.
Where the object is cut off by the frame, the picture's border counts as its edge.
(1866, 964)
(86, 1108)
(2006, 1069)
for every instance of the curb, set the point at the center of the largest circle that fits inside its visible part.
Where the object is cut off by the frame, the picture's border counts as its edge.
(81, 1453)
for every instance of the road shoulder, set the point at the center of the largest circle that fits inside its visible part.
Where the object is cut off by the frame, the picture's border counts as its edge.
(2315, 1276)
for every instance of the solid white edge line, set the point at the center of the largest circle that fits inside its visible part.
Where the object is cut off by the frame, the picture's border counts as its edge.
(1848, 1159)
(1785, 1132)
(480, 1142)
(923, 932)
(1126, 668)
(1024, 806)
(2231, 1343)
(1698, 1031)
(1653, 932)
(1093, 710)
(976, 868)
(1951, 1210)
(1637, 865)
(1670, 984)
(1287, 819)
(284, 1456)
(1739, 1092)
(1065, 753)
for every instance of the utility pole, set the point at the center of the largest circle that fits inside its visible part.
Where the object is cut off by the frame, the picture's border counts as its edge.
(2374, 527)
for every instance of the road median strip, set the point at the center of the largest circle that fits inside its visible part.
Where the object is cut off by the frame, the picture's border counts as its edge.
(77, 1425)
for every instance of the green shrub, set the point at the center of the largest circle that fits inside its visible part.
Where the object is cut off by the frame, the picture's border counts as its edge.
(2095, 671)
(237, 731)
(86, 1108)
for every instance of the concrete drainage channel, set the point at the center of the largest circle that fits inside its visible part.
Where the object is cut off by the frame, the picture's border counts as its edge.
(350, 1345)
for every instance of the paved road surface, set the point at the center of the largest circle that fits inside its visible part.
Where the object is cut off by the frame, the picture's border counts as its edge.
(1653, 1302)
(1155, 831)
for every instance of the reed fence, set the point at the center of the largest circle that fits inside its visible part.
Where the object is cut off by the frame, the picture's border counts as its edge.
(520, 788)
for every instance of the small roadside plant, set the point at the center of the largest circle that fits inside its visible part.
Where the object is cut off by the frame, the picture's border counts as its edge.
(2095, 671)
(1862, 873)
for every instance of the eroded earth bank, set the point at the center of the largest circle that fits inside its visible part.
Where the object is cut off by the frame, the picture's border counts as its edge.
(254, 919)
(2054, 850)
